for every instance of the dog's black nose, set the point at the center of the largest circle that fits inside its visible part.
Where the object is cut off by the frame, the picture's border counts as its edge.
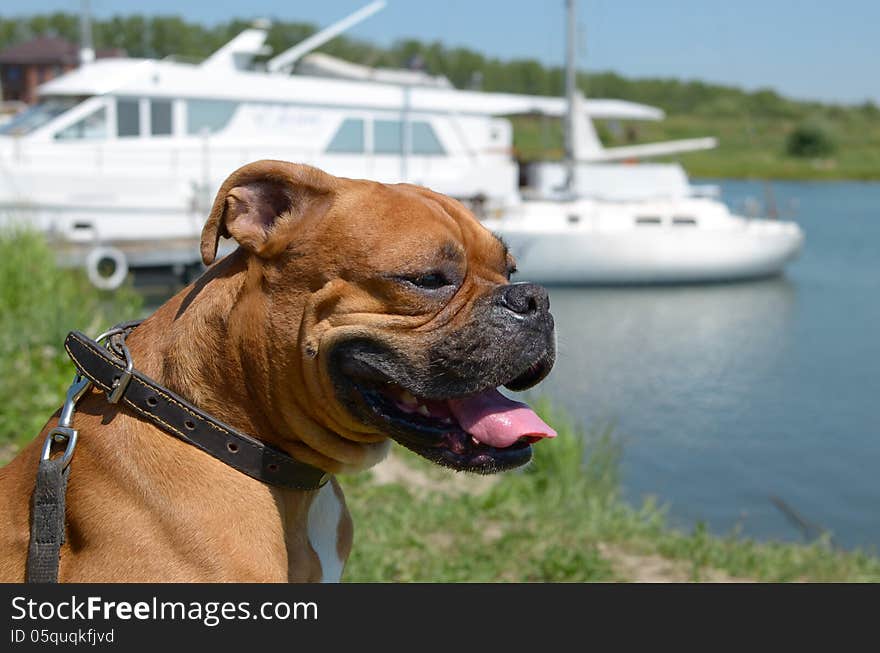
(526, 299)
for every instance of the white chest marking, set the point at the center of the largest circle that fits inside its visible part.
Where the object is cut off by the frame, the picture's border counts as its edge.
(323, 527)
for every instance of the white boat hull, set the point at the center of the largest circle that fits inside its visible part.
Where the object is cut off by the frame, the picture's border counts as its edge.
(627, 258)
(616, 251)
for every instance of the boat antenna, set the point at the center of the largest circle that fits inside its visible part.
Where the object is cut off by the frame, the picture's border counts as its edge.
(86, 49)
(286, 60)
(570, 91)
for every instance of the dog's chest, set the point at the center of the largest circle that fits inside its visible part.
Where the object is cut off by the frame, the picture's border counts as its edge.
(323, 528)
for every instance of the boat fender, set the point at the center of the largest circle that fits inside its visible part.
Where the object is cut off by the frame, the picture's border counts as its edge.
(99, 256)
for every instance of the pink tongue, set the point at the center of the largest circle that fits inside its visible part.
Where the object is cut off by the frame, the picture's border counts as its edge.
(495, 420)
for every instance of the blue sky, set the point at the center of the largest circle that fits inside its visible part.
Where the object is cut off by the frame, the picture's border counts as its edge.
(815, 49)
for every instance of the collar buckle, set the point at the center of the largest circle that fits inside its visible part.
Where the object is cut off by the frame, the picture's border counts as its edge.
(116, 343)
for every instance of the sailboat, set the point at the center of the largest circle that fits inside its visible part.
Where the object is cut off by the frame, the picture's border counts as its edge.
(591, 219)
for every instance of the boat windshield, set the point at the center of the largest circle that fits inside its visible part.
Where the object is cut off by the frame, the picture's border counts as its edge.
(36, 116)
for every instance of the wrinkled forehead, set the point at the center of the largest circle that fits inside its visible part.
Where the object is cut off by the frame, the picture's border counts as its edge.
(406, 225)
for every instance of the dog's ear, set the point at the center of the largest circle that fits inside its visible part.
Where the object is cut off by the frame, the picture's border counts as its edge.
(256, 197)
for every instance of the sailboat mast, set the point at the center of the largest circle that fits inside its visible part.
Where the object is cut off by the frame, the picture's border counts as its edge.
(570, 90)
(86, 49)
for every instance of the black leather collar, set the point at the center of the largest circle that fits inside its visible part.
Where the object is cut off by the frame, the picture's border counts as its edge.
(175, 415)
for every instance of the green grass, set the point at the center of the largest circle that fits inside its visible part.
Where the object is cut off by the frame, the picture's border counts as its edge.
(551, 522)
(748, 148)
(39, 304)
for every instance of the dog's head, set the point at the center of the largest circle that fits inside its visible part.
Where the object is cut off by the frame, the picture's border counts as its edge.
(384, 310)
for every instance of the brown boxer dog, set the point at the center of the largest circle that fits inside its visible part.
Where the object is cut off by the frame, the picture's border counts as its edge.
(352, 312)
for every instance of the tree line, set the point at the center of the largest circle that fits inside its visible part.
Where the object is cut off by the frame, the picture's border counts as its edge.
(163, 36)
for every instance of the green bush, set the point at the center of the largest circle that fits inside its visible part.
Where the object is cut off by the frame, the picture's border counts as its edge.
(810, 140)
(39, 304)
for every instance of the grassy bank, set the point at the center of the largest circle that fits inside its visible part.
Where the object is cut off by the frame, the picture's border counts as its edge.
(560, 519)
(749, 148)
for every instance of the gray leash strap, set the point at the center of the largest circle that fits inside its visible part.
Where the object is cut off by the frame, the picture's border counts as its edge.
(47, 525)
(50, 492)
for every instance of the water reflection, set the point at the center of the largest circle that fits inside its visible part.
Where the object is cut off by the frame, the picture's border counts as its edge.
(680, 371)
(667, 349)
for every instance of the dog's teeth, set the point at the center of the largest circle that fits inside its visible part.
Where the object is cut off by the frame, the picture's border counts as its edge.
(407, 398)
(423, 410)
(474, 440)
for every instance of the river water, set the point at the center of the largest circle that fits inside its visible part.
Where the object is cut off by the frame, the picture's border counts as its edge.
(730, 399)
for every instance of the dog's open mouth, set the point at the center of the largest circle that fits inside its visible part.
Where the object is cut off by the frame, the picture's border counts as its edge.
(484, 432)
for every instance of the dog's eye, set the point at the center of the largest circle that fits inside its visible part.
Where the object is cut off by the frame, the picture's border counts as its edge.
(430, 281)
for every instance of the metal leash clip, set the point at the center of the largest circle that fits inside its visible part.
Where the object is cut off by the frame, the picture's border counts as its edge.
(118, 347)
(64, 431)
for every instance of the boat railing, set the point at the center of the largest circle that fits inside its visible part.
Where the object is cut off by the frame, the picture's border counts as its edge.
(172, 160)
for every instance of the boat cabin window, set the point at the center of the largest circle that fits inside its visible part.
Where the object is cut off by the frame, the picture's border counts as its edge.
(128, 121)
(91, 127)
(388, 137)
(36, 116)
(684, 221)
(160, 117)
(648, 220)
(425, 141)
(208, 116)
(349, 138)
